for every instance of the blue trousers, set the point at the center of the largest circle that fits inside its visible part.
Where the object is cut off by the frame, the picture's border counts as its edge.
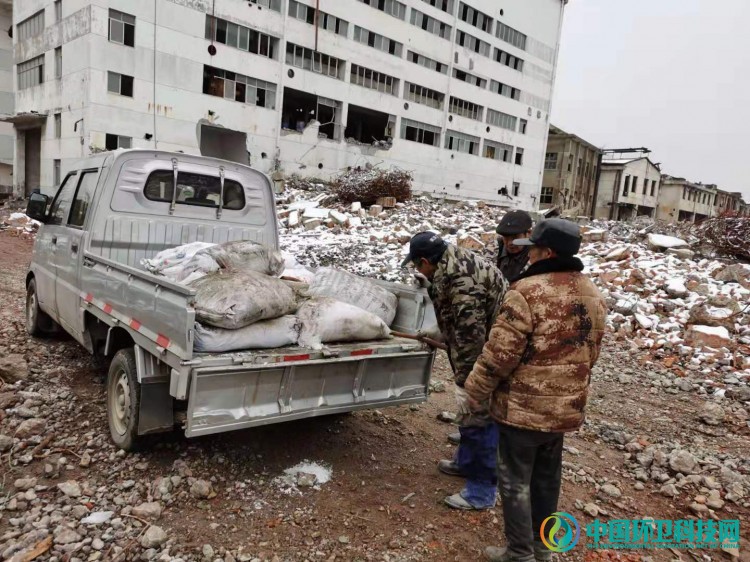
(477, 458)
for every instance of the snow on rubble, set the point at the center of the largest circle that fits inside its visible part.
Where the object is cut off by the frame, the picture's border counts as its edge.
(691, 312)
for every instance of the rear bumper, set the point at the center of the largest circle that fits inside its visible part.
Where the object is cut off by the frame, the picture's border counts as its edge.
(228, 398)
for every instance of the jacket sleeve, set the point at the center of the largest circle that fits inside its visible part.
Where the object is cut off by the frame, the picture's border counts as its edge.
(470, 327)
(504, 349)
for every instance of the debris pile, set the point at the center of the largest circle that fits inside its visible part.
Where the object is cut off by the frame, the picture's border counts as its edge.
(369, 185)
(21, 224)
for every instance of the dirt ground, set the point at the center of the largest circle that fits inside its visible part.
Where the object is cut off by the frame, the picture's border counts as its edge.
(384, 501)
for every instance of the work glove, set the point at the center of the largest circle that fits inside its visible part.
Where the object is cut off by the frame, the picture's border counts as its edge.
(467, 416)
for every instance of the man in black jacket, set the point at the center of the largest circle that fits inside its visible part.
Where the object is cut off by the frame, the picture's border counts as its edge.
(512, 259)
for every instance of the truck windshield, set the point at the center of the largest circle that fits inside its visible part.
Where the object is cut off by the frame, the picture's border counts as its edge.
(194, 189)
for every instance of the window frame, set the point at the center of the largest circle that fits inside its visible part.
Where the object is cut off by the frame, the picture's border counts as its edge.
(81, 176)
(111, 74)
(168, 200)
(56, 199)
(128, 38)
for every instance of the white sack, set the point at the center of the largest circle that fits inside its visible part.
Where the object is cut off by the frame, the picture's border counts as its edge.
(196, 267)
(247, 256)
(234, 299)
(326, 320)
(355, 290)
(266, 334)
(173, 257)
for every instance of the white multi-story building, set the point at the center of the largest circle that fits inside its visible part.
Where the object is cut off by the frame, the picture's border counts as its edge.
(629, 186)
(6, 97)
(458, 92)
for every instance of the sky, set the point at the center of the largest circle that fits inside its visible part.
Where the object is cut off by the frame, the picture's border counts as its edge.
(670, 75)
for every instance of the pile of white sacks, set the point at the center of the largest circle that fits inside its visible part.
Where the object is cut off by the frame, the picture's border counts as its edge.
(248, 296)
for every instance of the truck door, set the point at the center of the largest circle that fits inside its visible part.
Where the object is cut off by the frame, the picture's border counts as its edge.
(68, 257)
(45, 248)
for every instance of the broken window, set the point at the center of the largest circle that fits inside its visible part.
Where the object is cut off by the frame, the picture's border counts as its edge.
(466, 108)
(274, 5)
(473, 43)
(460, 142)
(436, 27)
(469, 78)
(653, 187)
(420, 132)
(122, 28)
(634, 184)
(307, 59)
(626, 188)
(367, 125)
(516, 188)
(241, 37)
(325, 21)
(522, 126)
(545, 198)
(509, 60)
(474, 17)
(550, 161)
(497, 151)
(519, 156)
(390, 7)
(113, 142)
(427, 62)
(374, 80)
(505, 90)
(377, 41)
(238, 87)
(299, 108)
(444, 5)
(425, 96)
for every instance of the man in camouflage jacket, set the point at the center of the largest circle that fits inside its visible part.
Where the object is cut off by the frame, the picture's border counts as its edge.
(466, 292)
(533, 376)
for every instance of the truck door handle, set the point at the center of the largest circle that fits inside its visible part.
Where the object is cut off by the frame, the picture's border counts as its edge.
(54, 239)
(74, 248)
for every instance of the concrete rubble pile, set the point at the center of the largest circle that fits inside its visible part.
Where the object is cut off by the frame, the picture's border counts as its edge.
(688, 311)
(20, 224)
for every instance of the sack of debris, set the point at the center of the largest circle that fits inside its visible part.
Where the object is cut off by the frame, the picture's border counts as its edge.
(323, 320)
(295, 271)
(234, 299)
(247, 256)
(354, 290)
(267, 334)
(196, 267)
(173, 258)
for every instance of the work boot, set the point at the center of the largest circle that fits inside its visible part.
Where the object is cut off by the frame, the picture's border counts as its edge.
(497, 554)
(457, 501)
(541, 552)
(454, 438)
(449, 467)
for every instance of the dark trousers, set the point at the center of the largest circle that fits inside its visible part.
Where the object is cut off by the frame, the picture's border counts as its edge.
(529, 470)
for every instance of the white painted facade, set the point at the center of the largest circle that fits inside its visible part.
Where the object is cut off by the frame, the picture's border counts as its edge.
(6, 97)
(169, 104)
(683, 200)
(627, 188)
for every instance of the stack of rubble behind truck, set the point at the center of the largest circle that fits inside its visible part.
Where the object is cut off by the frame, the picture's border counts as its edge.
(249, 297)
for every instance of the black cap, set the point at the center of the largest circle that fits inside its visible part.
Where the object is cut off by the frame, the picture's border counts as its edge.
(514, 222)
(560, 235)
(425, 245)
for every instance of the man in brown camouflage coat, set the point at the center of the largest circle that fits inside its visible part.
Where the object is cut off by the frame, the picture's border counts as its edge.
(533, 375)
(466, 292)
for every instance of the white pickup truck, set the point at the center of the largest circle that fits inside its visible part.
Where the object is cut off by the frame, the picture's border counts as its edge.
(117, 208)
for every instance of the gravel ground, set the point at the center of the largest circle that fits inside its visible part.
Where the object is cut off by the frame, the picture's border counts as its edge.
(653, 446)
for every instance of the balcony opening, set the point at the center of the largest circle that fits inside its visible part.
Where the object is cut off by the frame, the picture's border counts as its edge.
(368, 126)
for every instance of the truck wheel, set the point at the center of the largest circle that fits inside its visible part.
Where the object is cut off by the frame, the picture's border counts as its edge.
(38, 323)
(123, 400)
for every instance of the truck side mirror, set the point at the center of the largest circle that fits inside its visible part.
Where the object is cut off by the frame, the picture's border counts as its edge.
(37, 207)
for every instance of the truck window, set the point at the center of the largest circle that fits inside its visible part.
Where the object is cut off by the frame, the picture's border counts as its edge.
(61, 204)
(194, 189)
(82, 200)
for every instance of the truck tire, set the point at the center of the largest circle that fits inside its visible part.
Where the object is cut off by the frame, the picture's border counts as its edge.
(123, 400)
(38, 323)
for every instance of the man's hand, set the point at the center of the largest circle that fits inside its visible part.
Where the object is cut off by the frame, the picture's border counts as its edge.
(422, 281)
(462, 403)
(432, 332)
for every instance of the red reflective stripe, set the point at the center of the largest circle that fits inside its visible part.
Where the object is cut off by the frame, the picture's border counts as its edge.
(362, 352)
(89, 297)
(162, 341)
(107, 308)
(296, 357)
(135, 324)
